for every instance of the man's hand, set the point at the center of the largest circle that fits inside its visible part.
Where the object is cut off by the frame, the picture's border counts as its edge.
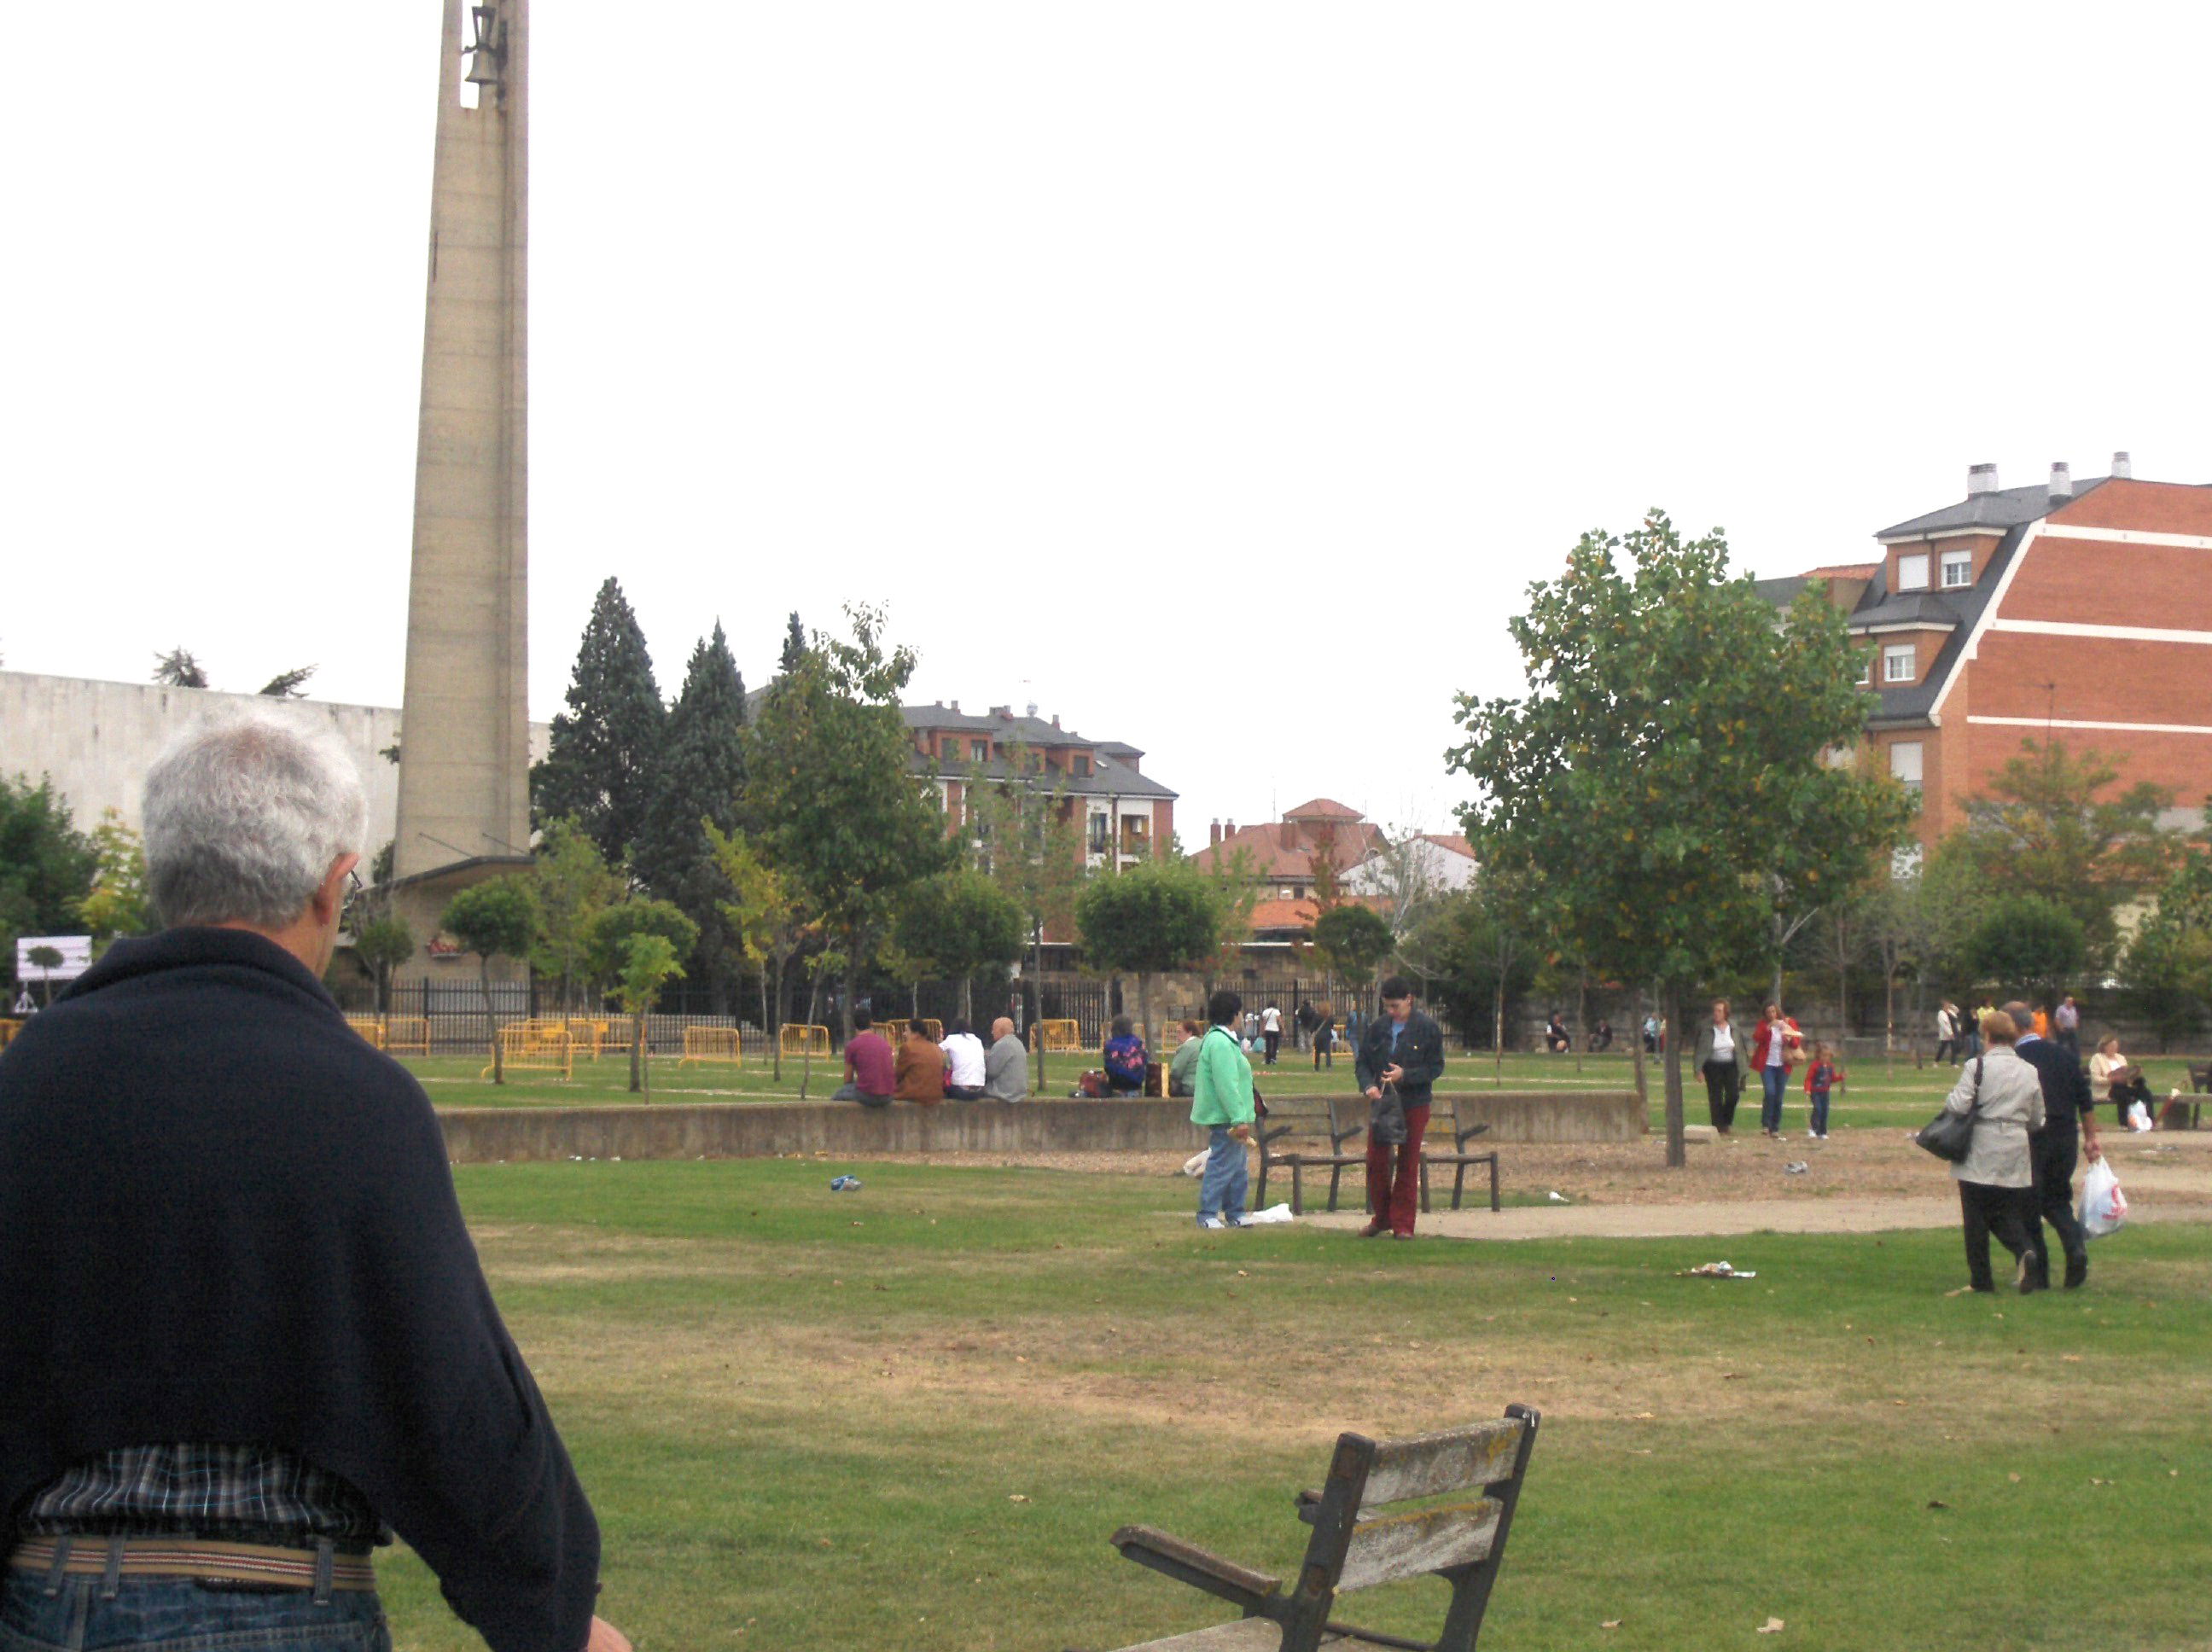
(1393, 1074)
(606, 1637)
(1240, 1131)
(1374, 1092)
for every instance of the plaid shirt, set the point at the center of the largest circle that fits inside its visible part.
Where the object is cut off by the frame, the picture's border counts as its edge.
(222, 1493)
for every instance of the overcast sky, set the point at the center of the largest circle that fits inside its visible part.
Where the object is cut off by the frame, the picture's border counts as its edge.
(1217, 375)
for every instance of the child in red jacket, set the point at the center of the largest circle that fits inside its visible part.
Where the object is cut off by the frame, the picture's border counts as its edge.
(1821, 1075)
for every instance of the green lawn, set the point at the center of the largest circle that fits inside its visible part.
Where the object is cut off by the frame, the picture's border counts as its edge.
(909, 1418)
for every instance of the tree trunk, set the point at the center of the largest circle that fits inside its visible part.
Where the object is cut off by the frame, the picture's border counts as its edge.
(491, 1019)
(641, 1057)
(774, 1019)
(1581, 1016)
(1776, 996)
(968, 1000)
(636, 1053)
(1670, 1017)
(1498, 1027)
(850, 983)
(1145, 1011)
(1888, 1016)
(813, 998)
(1635, 1048)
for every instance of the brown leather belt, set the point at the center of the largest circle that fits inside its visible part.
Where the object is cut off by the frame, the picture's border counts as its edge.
(93, 1555)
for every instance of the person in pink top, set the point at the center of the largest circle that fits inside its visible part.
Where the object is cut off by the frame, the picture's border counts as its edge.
(1775, 1044)
(871, 1069)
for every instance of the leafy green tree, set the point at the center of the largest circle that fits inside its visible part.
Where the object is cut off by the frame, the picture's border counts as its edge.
(1029, 844)
(2029, 942)
(1353, 941)
(614, 926)
(46, 865)
(963, 922)
(1662, 792)
(45, 960)
(794, 645)
(497, 918)
(1477, 955)
(573, 886)
(2053, 827)
(1160, 915)
(830, 790)
(763, 914)
(381, 943)
(606, 749)
(648, 964)
(2168, 966)
(702, 771)
(179, 669)
(118, 904)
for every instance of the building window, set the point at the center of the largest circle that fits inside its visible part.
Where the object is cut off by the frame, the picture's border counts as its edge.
(1905, 762)
(1912, 572)
(1083, 768)
(1958, 569)
(978, 750)
(1898, 662)
(1866, 669)
(1098, 839)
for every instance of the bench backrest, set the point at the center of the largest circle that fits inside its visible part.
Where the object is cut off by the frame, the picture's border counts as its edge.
(1362, 1537)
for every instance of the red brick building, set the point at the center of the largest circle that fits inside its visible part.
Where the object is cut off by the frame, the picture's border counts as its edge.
(2079, 609)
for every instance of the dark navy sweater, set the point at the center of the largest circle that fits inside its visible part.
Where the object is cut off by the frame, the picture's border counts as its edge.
(224, 1217)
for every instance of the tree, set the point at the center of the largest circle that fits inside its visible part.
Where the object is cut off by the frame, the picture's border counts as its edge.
(573, 885)
(381, 943)
(764, 916)
(648, 963)
(1662, 792)
(45, 960)
(962, 922)
(2029, 942)
(1477, 955)
(1160, 915)
(2168, 966)
(1029, 844)
(830, 788)
(118, 904)
(2051, 828)
(289, 686)
(46, 865)
(795, 647)
(494, 919)
(606, 749)
(1404, 880)
(613, 928)
(1353, 941)
(701, 773)
(178, 668)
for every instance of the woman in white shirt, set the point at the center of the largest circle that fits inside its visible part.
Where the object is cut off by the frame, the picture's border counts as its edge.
(963, 1062)
(1718, 1060)
(2113, 1074)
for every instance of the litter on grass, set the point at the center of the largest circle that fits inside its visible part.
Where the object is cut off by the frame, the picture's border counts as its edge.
(1559, 1198)
(1715, 1271)
(1268, 1217)
(1796, 1167)
(845, 1185)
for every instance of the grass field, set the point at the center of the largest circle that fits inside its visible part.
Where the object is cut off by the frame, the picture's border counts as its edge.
(909, 1418)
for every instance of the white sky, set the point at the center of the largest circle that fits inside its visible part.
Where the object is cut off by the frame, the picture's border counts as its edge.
(1216, 374)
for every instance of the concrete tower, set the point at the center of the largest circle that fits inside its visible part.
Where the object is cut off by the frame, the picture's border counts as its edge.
(465, 753)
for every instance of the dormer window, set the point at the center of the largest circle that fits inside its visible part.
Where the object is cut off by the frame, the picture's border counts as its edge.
(1912, 572)
(1082, 767)
(1958, 569)
(1900, 661)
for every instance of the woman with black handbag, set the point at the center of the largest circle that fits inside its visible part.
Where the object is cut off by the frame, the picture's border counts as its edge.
(2001, 1097)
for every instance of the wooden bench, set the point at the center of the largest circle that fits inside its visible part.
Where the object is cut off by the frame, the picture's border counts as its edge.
(1459, 1158)
(2200, 1085)
(1290, 1118)
(1358, 1541)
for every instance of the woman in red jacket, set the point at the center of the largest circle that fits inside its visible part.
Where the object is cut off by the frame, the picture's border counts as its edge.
(1775, 1044)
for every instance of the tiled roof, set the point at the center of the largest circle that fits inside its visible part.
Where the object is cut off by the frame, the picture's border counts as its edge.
(1107, 779)
(1845, 571)
(1913, 608)
(1321, 809)
(1285, 914)
(1279, 850)
(1447, 841)
(2005, 507)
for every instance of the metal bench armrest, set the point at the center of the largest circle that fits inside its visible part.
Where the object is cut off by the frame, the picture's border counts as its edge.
(1199, 1568)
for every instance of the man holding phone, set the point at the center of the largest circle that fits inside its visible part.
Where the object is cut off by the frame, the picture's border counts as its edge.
(1401, 1052)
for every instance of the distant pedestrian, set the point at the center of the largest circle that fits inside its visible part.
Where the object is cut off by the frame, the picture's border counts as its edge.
(2066, 1026)
(1981, 1012)
(1822, 1075)
(1005, 1065)
(2068, 1132)
(1601, 1037)
(1556, 1039)
(1651, 1034)
(2039, 1025)
(1324, 1039)
(1721, 1063)
(963, 1063)
(1223, 1106)
(1271, 1031)
(1775, 1044)
(1947, 1039)
(1400, 1058)
(1123, 1058)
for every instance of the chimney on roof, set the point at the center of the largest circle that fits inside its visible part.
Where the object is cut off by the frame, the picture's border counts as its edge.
(2123, 467)
(955, 705)
(1055, 720)
(1004, 713)
(2062, 482)
(1215, 832)
(1981, 479)
(1229, 829)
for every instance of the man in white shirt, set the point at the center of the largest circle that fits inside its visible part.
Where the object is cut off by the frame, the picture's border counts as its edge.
(964, 1060)
(1271, 1029)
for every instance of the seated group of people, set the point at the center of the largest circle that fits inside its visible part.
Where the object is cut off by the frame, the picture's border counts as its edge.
(925, 1072)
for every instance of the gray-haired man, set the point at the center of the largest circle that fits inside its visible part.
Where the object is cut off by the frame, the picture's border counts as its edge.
(242, 1327)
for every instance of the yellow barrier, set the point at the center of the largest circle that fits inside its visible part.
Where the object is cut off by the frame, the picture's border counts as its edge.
(590, 1037)
(530, 1048)
(406, 1034)
(795, 1040)
(713, 1044)
(895, 1029)
(614, 1036)
(1060, 1037)
(7, 1032)
(368, 1028)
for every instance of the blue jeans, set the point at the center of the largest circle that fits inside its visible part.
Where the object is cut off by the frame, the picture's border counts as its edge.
(1770, 1104)
(1227, 1182)
(1820, 1112)
(184, 1616)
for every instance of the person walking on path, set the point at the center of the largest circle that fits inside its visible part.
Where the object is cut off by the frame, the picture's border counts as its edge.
(2068, 1134)
(2004, 1096)
(244, 1333)
(1717, 1059)
(1324, 1041)
(1776, 1043)
(1271, 1031)
(1222, 1105)
(1400, 1058)
(1005, 1065)
(1946, 1034)
(2066, 1024)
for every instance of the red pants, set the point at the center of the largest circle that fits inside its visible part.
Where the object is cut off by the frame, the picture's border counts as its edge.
(1394, 1200)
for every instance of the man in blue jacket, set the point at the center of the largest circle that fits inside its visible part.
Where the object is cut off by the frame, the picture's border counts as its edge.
(244, 1336)
(1401, 1055)
(2070, 1129)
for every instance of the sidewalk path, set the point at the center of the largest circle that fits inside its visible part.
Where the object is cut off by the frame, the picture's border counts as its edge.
(1675, 1221)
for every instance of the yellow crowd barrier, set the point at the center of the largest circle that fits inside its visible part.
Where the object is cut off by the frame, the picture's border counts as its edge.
(368, 1027)
(406, 1034)
(536, 1047)
(713, 1044)
(7, 1032)
(795, 1040)
(1059, 1037)
(895, 1029)
(590, 1037)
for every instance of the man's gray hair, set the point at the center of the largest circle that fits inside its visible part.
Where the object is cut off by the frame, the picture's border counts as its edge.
(244, 818)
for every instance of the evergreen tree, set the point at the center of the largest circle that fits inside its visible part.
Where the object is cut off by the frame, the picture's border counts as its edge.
(702, 771)
(795, 647)
(606, 749)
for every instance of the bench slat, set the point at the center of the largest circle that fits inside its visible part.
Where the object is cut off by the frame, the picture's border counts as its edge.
(1413, 1546)
(1426, 1465)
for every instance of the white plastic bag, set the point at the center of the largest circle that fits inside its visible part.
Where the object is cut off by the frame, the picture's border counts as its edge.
(1269, 1216)
(2104, 1206)
(2138, 1117)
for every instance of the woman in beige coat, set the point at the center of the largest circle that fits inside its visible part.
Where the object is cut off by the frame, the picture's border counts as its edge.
(1997, 1180)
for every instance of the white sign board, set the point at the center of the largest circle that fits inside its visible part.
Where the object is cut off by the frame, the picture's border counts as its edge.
(77, 958)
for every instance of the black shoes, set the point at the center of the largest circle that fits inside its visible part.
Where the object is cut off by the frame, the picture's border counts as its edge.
(2077, 1270)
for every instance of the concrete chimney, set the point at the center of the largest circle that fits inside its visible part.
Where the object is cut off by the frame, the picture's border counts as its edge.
(2062, 482)
(1981, 479)
(2123, 467)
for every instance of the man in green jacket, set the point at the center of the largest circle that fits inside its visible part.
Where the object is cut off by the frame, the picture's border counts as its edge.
(1223, 1088)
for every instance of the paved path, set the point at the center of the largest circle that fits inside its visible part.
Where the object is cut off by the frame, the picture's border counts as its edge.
(1675, 1221)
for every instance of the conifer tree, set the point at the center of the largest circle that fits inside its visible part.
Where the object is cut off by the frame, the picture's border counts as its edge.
(606, 749)
(702, 771)
(794, 645)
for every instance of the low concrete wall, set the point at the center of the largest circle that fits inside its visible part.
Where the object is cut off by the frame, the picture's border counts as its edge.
(742, 1130)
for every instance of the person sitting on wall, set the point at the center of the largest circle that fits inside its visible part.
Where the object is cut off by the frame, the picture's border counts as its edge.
(1123, 1058)
(1556, 1039)
(1600, 1037)
(871, 1074)
(1005, 1065)
(919, 1072)
(963, 1063)
(1185, 1064)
